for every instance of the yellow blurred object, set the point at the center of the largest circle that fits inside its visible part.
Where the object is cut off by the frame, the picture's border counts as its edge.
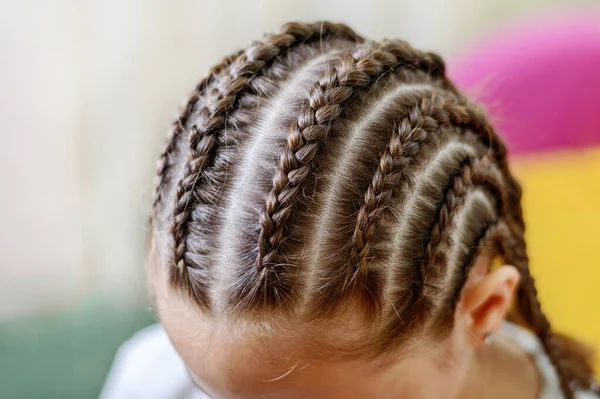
(562, 211)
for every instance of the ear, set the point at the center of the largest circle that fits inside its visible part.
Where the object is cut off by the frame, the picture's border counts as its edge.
(486, 301)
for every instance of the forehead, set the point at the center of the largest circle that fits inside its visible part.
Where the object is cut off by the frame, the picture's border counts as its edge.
(237, 361)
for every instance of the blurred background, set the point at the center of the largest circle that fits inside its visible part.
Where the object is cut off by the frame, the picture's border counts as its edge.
(89, 88)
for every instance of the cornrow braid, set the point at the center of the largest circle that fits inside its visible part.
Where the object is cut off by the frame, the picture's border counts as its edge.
(464, 113)
(455, 198)
(573, 371)
(481, 173)
(325, 103)
(403, 146)
(418, 304)
(179, 126)
(203, 137)
(488, 238)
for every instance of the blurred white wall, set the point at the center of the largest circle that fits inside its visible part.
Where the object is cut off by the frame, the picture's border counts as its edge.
(87, 91)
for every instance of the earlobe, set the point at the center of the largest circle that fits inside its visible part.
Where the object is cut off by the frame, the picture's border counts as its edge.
(487, 301)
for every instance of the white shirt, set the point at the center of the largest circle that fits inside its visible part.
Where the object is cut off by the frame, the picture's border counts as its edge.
(550, 388)
(147, 367)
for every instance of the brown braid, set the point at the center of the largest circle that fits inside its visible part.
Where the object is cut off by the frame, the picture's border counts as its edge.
(203, 137)
(325, 104)
(463, 113)
(438, 234)
(571, 370)
(482, 173)
(179, 126)
(488, 238)
(417, 302)
(403, 146)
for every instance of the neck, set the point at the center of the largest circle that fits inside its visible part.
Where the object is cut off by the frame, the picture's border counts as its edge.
(501, 370)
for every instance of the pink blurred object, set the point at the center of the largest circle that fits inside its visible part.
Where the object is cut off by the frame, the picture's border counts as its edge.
(540, 82)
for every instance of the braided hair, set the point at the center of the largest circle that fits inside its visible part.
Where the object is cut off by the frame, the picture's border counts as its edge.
(317, 170)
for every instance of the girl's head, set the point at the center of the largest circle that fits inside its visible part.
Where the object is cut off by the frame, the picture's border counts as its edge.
(326, 216)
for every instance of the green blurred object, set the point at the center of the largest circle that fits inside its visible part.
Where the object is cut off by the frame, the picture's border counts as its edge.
(66, 355)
